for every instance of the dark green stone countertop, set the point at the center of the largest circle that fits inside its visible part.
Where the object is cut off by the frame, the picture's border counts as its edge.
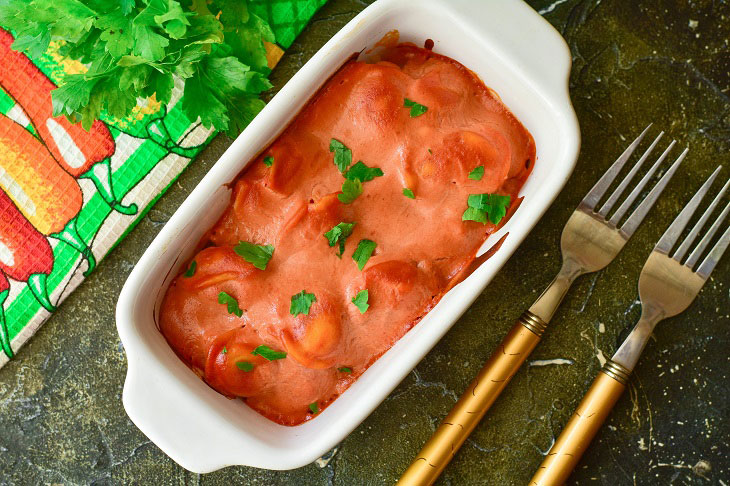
(61, 416)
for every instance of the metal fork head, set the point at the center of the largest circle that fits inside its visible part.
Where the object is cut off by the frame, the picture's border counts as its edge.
(590, 238)
(667, 285)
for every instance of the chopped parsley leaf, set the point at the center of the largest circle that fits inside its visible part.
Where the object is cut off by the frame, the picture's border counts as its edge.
(343, 155)
(362, 172)
(244, 365)
(191, 269)
(314, 408)
(268, 161)
(224, 350)
(361, 301)
(231, 303)
(345, 369)
(362, 254)
(267, 353)
(417, 109)
(358, 173)
(486, 207)
(477, 173)
(301, 302)
(338, 235)
(351, 190)
(430, 151)
(408, 193)
(473, 214)
(257, 255)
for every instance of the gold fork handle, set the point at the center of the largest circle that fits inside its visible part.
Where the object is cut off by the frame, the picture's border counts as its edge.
(476, 400)
(583, 426)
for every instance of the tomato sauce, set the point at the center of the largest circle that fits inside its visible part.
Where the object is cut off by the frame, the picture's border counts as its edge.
(423, 246)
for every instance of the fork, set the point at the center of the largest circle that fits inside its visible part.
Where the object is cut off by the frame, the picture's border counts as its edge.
(590, 241)
(666, 287)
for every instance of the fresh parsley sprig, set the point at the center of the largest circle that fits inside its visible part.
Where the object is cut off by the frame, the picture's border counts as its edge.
(417, 109)
(343, 155)
(136, 48)
(477, 173)
(362, 172)
(244, 365)
(191, 269)
(301, 302)
(231, 304)
(257, 255)
(355, 175)
(267, 353)
(486, 207)
(338, 235)
(363, 252)
(351, 190)
(361, 301)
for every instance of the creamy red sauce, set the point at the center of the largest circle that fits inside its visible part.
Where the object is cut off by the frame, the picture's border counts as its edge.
(423, 246)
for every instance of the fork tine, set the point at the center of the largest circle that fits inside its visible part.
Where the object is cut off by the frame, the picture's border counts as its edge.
(640, 212)
(639, 187)
(684, 247)
(625, 182)
(697, 252)
(597, 191)
(711, 261)
(669, 238)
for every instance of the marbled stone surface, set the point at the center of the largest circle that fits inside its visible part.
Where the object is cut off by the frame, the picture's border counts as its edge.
(61, 417)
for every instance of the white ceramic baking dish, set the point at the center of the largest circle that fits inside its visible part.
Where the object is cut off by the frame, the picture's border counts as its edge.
(516, 53)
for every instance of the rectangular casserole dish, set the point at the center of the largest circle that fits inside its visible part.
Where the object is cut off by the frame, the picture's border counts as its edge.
(517, 54)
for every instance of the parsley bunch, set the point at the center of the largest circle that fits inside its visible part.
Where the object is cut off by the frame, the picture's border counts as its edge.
(135, 48)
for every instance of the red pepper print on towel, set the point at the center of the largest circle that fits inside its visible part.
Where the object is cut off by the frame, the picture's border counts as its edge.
(4, 333)
(23, 251)
(46, 196)
(45, 193)
(75, 149)
(25, 254)
(83, 154)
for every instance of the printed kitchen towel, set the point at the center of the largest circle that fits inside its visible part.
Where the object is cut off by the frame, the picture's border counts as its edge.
(68, 196)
